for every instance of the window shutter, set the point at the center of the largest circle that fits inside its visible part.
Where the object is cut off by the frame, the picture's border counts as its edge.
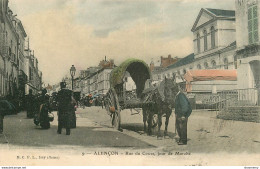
(253, 25)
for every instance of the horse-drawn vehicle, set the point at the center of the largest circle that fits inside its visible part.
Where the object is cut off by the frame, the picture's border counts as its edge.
(150, 99)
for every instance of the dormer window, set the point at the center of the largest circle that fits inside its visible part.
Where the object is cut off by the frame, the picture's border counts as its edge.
(252, 24)
(212, 30)
(205, 40)
(214, 64)
(206, 65)
(225, 63)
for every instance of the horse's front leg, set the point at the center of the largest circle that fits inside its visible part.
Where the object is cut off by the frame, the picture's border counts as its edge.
(144, 118)
(150, 118)
(168, 114)
(159, 125)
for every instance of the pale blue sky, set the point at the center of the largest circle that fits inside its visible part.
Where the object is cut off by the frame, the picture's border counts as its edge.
(82, 32)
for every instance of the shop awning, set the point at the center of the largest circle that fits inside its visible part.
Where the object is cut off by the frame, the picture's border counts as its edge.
(210, 74)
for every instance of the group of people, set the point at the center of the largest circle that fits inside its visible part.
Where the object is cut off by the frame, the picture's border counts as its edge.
(7, 107)
(39, 108)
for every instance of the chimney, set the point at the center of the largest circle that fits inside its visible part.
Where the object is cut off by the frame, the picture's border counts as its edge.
(169, 56)
(151, 66)
(112, 63)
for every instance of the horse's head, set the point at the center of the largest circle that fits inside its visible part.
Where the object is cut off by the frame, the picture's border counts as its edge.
(170, 91)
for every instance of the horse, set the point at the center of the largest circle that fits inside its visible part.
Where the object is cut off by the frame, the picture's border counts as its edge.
(160, 101)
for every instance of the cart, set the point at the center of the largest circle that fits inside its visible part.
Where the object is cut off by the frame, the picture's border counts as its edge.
(117, 98)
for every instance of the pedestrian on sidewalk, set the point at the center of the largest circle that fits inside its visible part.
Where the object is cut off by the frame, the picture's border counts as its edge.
(182, 112)
(30, 104)
(6, 108)
(1, 121)
(66, 108)
(44, 109)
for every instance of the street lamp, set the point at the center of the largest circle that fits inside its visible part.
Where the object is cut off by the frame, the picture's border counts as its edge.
(72, 73)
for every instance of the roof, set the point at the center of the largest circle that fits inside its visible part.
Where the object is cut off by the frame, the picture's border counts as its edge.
(214, 15)
(210, 74)
(184, 61)
(138, 70)
(221, 12)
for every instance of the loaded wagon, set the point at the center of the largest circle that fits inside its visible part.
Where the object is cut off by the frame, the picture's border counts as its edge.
(117, 97)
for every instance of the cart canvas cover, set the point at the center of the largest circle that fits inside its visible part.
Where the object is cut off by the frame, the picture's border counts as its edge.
(138, 70)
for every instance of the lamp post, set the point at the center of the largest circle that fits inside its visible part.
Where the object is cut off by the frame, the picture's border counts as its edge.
(72, 73)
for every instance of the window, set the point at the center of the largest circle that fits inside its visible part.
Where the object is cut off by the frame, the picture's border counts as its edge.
(235, 62)
(225, 63)
(214, 64)
(206, 65)
(212, 30)
(198, 66)
(173, 76)
(184, 71)
(30, 74)
(205, 40)
(252, 24)
(198, 42)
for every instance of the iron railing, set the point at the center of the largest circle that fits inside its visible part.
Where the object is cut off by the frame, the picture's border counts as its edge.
(229, 98)
(238, 98)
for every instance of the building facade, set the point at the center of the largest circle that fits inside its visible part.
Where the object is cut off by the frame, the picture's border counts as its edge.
(214, 43)
(13, 64)
(248, 46)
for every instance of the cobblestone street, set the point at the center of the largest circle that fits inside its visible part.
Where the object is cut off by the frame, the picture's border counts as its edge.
(95, 136)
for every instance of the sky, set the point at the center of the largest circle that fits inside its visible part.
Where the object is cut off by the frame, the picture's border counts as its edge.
(82, 32)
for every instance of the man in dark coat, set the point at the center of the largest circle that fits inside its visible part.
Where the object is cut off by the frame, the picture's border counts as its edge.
(1, 119)
(66, 105)
(30, 104)
(182, 111)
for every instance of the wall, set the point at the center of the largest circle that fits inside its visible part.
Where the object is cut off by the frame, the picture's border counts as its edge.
(226, 32)
(210, 86)
(245, 74)
(242, 21)
(200, 31)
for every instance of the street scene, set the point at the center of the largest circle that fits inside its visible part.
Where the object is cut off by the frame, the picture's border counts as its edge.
(125, 83)
(207, 135)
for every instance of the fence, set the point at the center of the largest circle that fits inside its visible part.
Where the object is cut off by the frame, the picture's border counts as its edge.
(238, 98)
(228, 98)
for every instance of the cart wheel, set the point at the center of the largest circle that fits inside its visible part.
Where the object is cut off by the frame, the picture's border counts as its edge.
(113, 108)
(110, 103)
(116, 120)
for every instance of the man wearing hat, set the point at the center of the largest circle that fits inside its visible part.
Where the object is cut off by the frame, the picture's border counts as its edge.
(182, 111)
(66, 104)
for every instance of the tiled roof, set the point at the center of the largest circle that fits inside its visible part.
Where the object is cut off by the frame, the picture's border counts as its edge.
(221, 12)
(184, 61)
